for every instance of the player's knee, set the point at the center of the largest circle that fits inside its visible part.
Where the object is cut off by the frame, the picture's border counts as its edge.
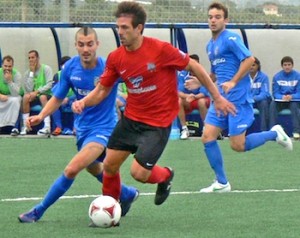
(71, 172)
(238, 147)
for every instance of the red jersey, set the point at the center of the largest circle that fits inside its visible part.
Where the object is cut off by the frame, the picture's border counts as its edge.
(151, 79)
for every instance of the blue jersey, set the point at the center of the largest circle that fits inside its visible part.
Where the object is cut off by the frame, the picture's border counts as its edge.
(225, 55)
(182, 77)
(260, 87)
(83, 81)
(286, 84)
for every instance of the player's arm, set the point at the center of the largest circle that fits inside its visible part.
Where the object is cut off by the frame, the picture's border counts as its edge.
(220, 103)
(203, 78)
(51, 106)
(243, 70)
(95, 97)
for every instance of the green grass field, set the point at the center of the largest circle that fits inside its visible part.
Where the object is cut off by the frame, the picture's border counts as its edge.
(264, 201)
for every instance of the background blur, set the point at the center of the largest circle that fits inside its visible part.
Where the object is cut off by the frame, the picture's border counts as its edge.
(272, 28)
(170, 11)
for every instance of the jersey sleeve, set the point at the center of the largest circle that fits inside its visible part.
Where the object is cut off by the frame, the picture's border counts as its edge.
(238, 47)
(110, 74)
(175, 57)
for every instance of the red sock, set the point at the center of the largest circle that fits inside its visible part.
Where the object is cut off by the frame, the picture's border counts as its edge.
(112, 185)
(158, 174)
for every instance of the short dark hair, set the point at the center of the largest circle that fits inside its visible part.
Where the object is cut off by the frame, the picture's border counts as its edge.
(8, 58)
(287, 59)
(86, 30)
(195, 57)
(133, 9)
(35, 52)
(219, 6)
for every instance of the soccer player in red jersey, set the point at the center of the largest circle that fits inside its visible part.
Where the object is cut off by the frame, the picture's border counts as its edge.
(148, 67)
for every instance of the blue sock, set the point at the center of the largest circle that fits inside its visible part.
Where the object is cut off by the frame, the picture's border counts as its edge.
(214, 156)
(99, 177)
(126, 192)
(58, 188)
(257, 139)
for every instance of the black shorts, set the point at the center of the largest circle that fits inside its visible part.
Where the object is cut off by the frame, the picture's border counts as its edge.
(145, 141)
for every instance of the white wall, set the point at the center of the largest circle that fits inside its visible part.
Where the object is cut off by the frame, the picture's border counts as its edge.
(268, 45)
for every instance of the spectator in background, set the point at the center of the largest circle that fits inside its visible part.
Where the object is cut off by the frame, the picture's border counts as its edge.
(286, 94)
(190, 100)
(260, 89)
(10, 89)
(37, 90)
(65, 105)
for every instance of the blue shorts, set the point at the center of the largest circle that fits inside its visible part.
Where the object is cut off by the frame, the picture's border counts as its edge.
(95, 135)
(237, 124)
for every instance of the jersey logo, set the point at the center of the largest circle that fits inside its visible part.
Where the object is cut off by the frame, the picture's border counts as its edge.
(136, 81)
(151, 67)
(232, 38)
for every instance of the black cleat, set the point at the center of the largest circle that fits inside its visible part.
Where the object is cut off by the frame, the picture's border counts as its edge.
(163, 189)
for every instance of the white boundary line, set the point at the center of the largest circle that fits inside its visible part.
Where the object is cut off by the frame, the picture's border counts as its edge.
(151, 194)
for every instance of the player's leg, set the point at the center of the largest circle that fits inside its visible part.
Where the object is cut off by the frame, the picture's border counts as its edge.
(238, 125)
(215, 159)
(128, 193)
(213, 126)
(80, 161)
(150, 145)
(111, 176)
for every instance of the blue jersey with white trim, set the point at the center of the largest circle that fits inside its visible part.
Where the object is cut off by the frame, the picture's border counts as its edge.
(83, 81)
(225, 55)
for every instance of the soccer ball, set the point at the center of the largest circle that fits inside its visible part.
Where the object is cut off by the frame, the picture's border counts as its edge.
(105, 211)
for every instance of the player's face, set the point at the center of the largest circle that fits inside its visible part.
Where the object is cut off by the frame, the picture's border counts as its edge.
(86, 46)
(287, 67)
(216, 20)
(128, 35)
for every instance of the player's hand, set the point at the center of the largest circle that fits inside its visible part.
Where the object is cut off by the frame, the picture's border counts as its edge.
(224, 106)
(78, 106)
(192, 83)
(33, 121)
(227, 86)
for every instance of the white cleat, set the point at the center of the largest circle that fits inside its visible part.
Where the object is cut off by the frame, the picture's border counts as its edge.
(44, 131)
(184, 134)
(23, 131)
(217, 187)
(282, 138)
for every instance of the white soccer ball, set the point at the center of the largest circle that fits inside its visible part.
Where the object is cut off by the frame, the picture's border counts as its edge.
(105, 211)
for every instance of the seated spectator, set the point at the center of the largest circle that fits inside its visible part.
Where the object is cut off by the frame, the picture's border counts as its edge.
(190, 100)
(286, 94)
(37, 90)
(121, 98)
(10, 89)
(66, 103)
(260, 89)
